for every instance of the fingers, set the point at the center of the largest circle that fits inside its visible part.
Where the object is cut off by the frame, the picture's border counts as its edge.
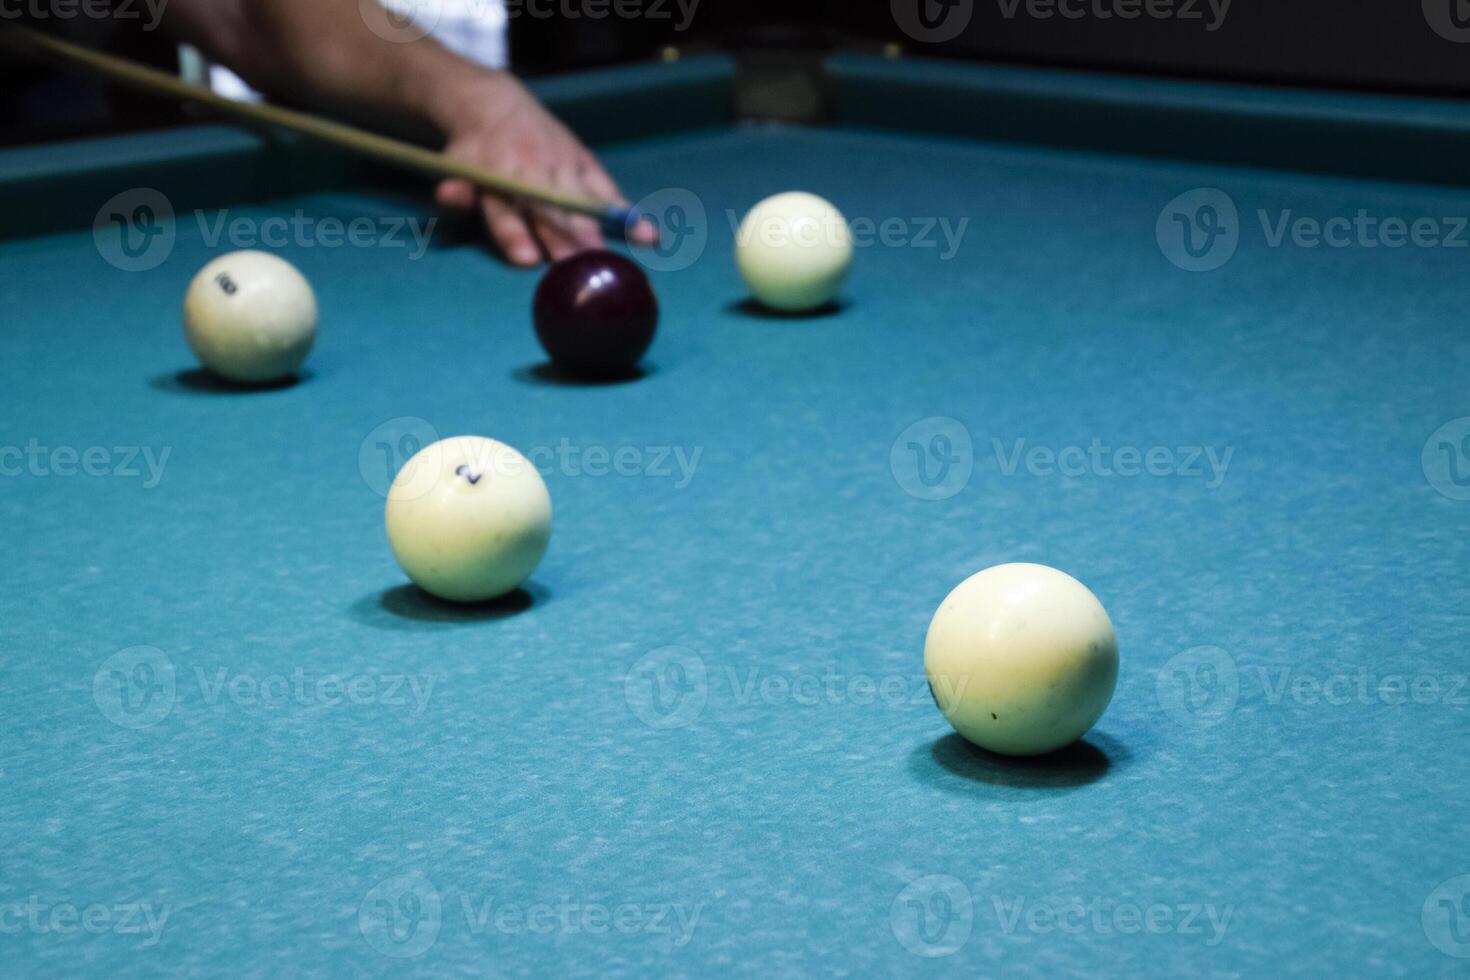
(509, 229)
(645, 232)
(585, 232)
(522, 141)
(561, 232)
(527, 235)
(596, 181)
(523, 235)
(556, 234)
(458, 194)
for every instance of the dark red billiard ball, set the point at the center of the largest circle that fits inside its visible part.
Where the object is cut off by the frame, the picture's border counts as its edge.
(595, 313)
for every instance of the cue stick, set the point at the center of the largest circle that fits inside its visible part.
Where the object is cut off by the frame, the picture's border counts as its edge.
(133, 75)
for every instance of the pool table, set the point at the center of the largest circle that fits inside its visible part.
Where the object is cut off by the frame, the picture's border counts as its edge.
(1201, 346)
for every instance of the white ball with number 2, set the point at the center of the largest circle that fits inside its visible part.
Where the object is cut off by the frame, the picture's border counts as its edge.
(1021, 659)
(468, 518)
(250, 317)
(794, 251)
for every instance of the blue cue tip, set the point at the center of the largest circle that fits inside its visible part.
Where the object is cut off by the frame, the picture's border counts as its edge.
(619, 220)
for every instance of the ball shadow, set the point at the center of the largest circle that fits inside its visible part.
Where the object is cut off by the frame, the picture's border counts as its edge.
(754, 309)
(198, 381)
(548, 375)
(402, 606)
(950, 762)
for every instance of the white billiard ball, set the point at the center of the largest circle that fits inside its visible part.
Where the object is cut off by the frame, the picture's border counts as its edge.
(794, 251)
(468, 518)
(1021, 659)
(250, 317)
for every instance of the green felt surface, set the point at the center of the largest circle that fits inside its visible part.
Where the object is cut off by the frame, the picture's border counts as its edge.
(775, 793)
(1348, 133)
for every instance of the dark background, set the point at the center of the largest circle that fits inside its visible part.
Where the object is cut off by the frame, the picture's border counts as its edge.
(1385, 45)
(1374, 44)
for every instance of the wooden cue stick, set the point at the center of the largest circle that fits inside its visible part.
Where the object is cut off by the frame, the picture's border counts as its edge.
(396, 152)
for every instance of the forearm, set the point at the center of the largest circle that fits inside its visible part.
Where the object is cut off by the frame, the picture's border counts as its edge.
(323, 53)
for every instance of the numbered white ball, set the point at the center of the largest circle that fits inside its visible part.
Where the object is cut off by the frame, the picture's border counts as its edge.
(794, 251)
(468, 518)
(250, 317)
(1022, 659)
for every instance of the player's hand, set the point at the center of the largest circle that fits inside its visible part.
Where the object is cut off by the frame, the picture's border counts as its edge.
(499, 125)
